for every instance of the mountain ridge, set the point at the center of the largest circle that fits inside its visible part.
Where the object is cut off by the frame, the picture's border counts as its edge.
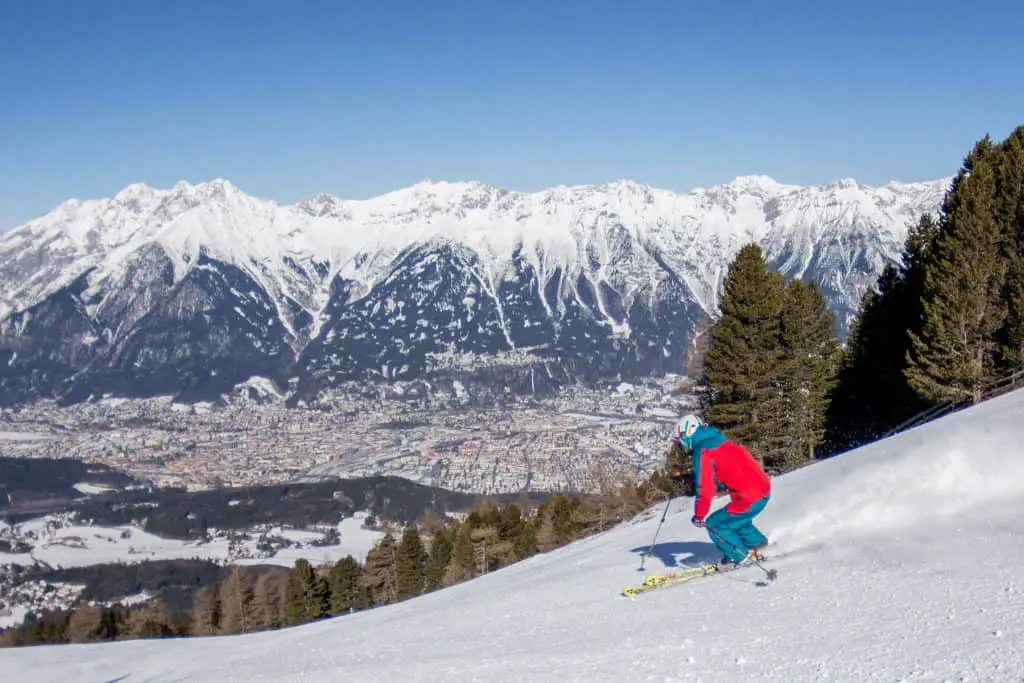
(609, 275)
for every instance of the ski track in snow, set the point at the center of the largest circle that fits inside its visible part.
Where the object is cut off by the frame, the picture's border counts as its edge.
(902, 561)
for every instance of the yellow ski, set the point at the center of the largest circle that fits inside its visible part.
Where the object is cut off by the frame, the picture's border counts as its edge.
(669, 578)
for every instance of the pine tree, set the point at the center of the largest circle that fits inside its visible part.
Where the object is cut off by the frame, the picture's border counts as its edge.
(409, 563)
(557, 526)
(872, 394)
(346, 590)
(318, 600)
(462, 565)
(379, 571)
(307, 596)
(957, 351)
(807, 370)
(525, 542)
(1010, 212)
(510, 521)
(440, 554)
(742, 362)
(295, 592)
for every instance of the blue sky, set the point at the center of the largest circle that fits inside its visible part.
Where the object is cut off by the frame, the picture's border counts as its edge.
(287, 99)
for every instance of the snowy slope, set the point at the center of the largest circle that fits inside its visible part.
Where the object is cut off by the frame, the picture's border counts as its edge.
(901, 561)
(57, 545)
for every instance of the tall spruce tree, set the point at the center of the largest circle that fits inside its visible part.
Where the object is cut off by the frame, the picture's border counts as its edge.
(741, 367)
(307, 595)
(1010, 212)
(872, 394)
(440, 554)
(346, 590)
(379, 570)
(957, 352)
(462, 565)
(525, 542)
(807, 372)
(410, 560)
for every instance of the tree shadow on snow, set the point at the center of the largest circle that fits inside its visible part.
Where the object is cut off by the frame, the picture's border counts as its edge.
(679, 553)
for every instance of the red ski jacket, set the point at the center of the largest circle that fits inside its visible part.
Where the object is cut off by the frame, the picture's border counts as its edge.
(731, 465)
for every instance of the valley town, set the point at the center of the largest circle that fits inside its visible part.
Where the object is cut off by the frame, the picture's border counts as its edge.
(573, 442)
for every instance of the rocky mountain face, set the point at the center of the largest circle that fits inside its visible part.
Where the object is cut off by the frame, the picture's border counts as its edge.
(197, 289)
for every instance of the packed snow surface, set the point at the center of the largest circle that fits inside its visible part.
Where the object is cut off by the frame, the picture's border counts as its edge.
(901, 561)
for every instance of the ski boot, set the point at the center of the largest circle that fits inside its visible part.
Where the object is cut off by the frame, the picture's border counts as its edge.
(756, 554)
(753, 555)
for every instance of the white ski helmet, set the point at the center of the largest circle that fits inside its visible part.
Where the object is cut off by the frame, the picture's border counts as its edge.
(686, 427)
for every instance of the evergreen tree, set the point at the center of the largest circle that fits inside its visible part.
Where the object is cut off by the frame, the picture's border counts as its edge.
(307, 596)
(515, 534)
(346, 590)
(956, 352)
(295, 588)
(409, 564)
(872, 394)
(440, 554)
(525, 543)
(379, 571)
(318, 600)
(1010, 212)
(741, 366)
(462, 565)
(807, 370)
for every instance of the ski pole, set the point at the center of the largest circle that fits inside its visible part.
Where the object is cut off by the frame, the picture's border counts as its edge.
(643, 558)
(772, 574)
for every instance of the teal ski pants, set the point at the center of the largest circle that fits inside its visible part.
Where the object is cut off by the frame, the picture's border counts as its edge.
(735, 534)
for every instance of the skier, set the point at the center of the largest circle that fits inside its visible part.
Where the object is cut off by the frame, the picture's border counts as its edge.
(717, 460)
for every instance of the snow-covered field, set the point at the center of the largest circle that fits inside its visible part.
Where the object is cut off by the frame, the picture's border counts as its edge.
(79, 545)
(12, 616)
(903, 561)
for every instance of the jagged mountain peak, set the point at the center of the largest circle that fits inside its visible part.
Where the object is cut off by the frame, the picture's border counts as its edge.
(760, 184)
(613, 276)
(241, 229)
(136, 191)
(214, 187)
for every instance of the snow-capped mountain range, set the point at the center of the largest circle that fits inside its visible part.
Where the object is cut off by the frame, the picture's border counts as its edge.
(195, 289)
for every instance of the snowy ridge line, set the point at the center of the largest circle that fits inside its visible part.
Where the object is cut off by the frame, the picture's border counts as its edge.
(191, 291)
(558, 224)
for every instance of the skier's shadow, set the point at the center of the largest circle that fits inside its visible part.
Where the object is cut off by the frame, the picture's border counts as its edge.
(679, 553)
